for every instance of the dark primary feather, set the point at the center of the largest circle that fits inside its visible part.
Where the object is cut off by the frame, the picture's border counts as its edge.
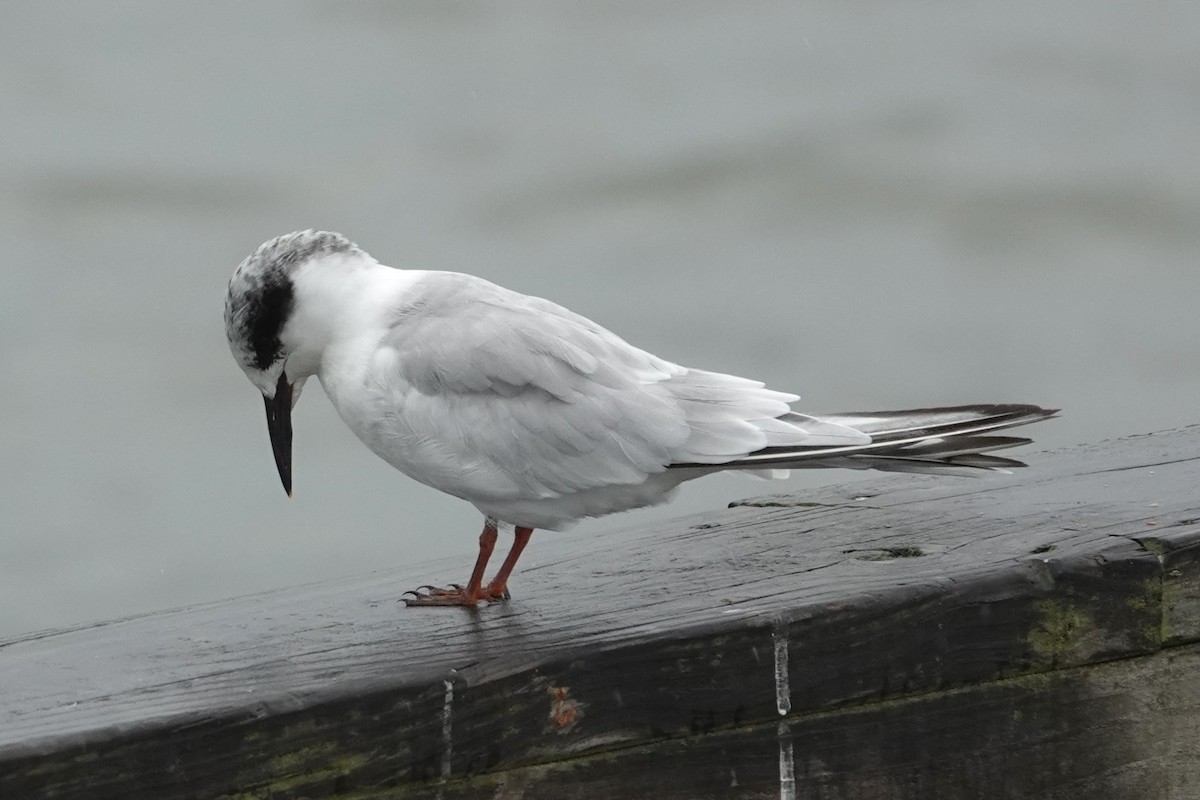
(917, 440)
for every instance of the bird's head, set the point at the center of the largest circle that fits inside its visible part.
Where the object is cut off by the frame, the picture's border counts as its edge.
(264, 335)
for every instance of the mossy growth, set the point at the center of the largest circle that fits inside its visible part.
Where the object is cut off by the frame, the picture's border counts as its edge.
(1059, 633)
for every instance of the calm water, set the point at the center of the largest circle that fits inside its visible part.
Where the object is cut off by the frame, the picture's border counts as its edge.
(871, 204)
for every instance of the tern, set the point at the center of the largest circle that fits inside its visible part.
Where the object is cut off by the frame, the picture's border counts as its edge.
(534, 414)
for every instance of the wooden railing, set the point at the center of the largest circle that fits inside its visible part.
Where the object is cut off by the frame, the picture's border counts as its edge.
(1032, 635)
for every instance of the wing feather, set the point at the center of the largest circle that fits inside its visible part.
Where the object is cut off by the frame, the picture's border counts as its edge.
(537, 400)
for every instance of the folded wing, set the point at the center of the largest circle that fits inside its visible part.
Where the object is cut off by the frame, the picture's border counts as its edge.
(528, 398)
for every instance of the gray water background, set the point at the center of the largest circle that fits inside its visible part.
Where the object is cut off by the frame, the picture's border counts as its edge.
(876, 205)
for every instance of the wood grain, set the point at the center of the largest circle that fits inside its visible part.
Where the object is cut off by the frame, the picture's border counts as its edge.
(663, 640)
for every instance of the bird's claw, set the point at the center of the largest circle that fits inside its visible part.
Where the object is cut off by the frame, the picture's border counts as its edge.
(453, 595)
(454, 587)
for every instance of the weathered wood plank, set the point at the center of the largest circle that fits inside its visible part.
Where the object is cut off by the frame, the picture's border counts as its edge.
(873, 591)
(1136, 724)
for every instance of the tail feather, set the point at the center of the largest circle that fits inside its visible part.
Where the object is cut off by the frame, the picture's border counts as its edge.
(925, 422)
(965, 445)
(918, 440)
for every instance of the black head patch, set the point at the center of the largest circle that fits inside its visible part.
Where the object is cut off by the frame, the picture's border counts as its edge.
(261, 294)
(266, 312)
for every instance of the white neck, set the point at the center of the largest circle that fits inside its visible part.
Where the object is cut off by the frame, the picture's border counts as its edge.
(337, 298)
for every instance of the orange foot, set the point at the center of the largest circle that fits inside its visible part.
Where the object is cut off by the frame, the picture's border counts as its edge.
(474, 591)
(454, 595)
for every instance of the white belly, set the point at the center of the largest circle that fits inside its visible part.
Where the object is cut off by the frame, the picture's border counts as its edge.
(419, 436)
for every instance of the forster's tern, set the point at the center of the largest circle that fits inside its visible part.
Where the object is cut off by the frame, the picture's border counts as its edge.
(534, 414)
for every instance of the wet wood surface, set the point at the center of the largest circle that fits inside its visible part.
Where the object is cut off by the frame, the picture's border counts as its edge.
(834, 644)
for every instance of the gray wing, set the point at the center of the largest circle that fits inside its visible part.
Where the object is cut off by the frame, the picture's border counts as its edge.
(519, 392)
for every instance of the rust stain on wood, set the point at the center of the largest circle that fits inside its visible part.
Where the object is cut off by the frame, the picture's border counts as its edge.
(565, 711)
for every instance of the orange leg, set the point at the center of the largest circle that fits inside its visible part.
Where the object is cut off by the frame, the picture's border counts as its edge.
(498, 588)
(475, 591)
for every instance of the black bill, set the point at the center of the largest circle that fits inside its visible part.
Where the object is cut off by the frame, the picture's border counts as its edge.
(279, 423)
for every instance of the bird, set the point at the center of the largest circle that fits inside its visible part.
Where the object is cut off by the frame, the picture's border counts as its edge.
(534, 414)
